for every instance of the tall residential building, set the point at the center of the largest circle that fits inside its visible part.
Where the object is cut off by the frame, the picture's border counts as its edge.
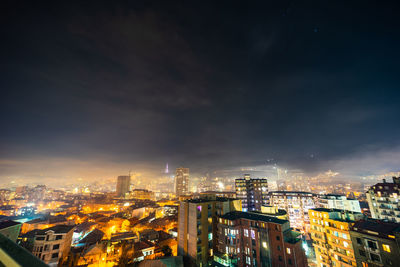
(330, 232)
(256, 239)
(297, 205)
(331, 201)
(376, 243)
(252, 191)
(181, 181)
(383, 200)
(197, 227)
(123, 184)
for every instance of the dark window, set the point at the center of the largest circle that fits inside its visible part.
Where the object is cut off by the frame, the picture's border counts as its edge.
(279, 248)
(280, 258)
(290, 261)
(58, 237)
(56, 246)
(47, 238)
(54, 255)
(40, 238)
(371, 244)
(362, 252)
(278, 237)
(359, 241)
(375, 257)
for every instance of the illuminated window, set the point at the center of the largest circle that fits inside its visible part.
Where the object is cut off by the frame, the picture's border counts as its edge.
(386, 248)
(264, 244)
(246, 233)
(288, 250)
(345, 244)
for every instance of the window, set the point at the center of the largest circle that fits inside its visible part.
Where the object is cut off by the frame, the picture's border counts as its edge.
(54, 255)
(290, 261)
(372, 244)
(280, 258)
(246, 233)
(386, 248)
(375, 257)
(288, 250)
(279, 248)
(253, 234)
(359, 241)
(362, 253)
(278, 237)
(58, 237)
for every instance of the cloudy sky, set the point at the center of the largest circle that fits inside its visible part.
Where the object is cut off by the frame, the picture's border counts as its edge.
(93, 89)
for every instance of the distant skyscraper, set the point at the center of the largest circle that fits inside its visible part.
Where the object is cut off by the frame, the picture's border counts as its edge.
(123, 183)
(252, 191)
(181, 181)
(166, 169)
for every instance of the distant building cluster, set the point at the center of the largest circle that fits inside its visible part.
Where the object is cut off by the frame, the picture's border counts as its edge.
(252, 224)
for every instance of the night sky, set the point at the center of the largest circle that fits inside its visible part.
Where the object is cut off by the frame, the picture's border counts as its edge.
(93, 89)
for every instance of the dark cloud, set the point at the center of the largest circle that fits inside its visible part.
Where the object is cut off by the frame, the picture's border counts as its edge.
(208, 85)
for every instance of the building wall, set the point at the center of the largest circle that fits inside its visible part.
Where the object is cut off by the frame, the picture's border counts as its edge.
(375, 255)
(297, 205)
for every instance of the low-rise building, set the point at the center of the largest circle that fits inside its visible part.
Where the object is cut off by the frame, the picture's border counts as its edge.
(51, 245)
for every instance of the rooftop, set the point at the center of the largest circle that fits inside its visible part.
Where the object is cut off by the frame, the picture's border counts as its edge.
(234, 215)
(6, 224)
(204, 200)
(381, 227)
(58, 229)
(143, 245)
(291, 192)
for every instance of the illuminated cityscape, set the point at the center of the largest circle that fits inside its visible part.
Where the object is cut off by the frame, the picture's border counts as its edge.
(200, 134)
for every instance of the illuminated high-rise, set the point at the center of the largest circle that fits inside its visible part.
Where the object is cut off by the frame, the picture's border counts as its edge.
(252, 191)
(330, 232)
(181, 181)
(123, 184)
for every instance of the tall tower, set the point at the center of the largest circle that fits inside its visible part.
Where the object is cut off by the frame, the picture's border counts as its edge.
(181, 181)
(123, 183)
